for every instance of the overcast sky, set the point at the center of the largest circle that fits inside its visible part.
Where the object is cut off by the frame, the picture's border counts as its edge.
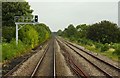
(58, 15)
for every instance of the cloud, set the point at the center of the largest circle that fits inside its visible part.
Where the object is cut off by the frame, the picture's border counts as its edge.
(58, 15)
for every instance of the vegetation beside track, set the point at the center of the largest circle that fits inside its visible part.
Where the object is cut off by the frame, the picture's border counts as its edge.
(27, 40)
(102, 37)
(30, 36)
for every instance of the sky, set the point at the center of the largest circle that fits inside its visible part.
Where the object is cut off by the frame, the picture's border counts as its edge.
(59, 14)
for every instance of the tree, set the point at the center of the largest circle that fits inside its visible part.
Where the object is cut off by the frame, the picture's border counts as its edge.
(43, 32)
(104, 31)
(29, 35)
(11, 9)
(59, 32)
(8, 33)
(71, 31)
(82, 30)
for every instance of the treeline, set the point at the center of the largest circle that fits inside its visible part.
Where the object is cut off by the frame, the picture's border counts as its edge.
(102, 37)
(104, 32)
(30, 36)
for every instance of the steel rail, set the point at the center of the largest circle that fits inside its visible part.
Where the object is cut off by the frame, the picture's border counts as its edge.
(73, 66)
(39, 62)
(117, 68)
(14, 69)
(107, 74)
(54, 60)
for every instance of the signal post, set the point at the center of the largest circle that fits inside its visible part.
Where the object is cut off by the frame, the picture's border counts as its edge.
(17, 23)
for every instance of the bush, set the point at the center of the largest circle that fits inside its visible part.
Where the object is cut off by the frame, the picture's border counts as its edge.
(117, 49)
(98, 45)
(10, 50)
(72, 39)
(43, 32)
(85, 41)
(29, 35)
(8, 33)
(105, 47)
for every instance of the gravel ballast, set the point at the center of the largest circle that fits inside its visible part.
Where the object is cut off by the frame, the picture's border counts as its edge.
(106, 59)
(100, 64)
(87, 67)
(27, 67)
(61, 66)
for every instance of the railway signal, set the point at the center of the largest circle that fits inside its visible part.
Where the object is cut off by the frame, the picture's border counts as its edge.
(22, 20)
(36, 18)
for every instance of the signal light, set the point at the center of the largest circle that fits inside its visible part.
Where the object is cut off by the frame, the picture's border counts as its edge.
(36, 18)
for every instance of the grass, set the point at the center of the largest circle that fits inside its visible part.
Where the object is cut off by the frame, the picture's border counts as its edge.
(111, 51)
(10, 50)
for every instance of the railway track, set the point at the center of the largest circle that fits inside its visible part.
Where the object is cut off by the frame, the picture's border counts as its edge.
(117, 68)
(76, 69)
(37, 67)
(15, 68)
(9, 74)
(39, 62)
(48, 64)
(108, 72)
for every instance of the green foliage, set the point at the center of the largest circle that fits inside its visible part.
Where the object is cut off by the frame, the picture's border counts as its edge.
(117, 50)
(82, 30)
(43, 32)
(104, 32)
(85, 41)
(11, 9)
(59, 32)
(10, 50)
(102, 37)
(29, 35)
(8, 33)
(70, 31)
(105, 47)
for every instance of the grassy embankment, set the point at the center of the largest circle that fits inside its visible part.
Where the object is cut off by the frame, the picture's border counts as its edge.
(112, 50)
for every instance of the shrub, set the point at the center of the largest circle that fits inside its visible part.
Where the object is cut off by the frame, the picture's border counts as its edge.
(105, 47)
(43, 32)
(98, 45)
(29, 35)
(72, 39)
(117, 49)
(10, 50)
(8, 33)
(85, 41)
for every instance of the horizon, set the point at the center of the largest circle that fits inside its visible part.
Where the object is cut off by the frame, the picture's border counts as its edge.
(53, 15)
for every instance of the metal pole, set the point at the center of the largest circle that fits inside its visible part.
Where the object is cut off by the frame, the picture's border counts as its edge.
(20, 28)
(16, 34)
